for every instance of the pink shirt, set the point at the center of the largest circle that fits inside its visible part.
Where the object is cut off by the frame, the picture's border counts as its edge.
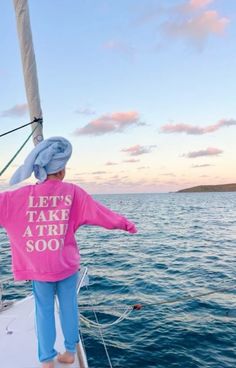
(41, 221)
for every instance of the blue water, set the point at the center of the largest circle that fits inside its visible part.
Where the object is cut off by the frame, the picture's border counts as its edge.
(186, 245)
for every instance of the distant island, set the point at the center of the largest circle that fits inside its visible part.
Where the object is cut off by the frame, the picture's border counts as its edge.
(210, 188)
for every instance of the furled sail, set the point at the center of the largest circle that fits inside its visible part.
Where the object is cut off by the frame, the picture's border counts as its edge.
(29, 67)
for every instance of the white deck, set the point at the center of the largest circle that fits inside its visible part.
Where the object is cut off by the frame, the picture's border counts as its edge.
(18, 343)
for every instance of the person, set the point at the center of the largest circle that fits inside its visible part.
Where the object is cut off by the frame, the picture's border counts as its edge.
(41, 221)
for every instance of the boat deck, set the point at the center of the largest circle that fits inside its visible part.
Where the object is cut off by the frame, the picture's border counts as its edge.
(18, 343)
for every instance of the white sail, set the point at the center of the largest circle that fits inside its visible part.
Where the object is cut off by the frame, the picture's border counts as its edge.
(29, 66)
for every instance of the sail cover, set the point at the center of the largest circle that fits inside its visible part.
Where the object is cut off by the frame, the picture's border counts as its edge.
(29, 66)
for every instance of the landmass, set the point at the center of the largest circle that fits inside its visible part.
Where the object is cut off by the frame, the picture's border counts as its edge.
(210, 188)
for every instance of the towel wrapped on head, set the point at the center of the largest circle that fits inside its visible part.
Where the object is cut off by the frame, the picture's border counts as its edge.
(48, 157)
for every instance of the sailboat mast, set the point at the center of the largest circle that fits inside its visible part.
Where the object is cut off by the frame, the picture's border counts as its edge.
(29, 67)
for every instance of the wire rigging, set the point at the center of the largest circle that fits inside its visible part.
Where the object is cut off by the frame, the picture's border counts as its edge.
(17, 152)
(36, 120)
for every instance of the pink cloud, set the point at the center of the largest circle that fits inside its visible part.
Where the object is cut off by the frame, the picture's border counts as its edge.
(196, 28)
(111, 123)
(17, 110)
(190, 20)
(210, 151)
(155, 11)
(138, 150)
(196, 4)
(191, 129)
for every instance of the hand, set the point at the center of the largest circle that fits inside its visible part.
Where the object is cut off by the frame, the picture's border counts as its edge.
(131, 228)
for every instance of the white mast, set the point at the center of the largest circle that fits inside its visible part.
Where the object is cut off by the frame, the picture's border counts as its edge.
(29, 66)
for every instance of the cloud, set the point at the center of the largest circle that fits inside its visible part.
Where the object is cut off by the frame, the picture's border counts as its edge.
(196, 4)
(169, 174)
(138, 150)
(85, 111)
(200, 166)
(191, 22)
(153, 12)
(132, 160)
(111, 123)
(143, 167)
(191, 129)
(114, 177)
(98, 172)
(210, 151)
(109, 163)
(15, 111)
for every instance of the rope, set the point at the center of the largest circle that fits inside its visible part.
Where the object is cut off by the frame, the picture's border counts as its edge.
(17, 153)
(36, 120)
(101, 334)
(91, 323)
(108, 308)
(130, 308)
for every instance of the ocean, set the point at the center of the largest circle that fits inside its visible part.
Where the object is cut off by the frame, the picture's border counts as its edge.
(185, 247)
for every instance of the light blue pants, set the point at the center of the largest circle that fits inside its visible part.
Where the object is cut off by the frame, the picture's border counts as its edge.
(44, 294)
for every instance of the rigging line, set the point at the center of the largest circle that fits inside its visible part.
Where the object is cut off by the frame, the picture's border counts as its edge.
(191, 297)
(103, 326)
(19, 150)
(132, 307)
(36, 120)
(123, 308)
(101, 334)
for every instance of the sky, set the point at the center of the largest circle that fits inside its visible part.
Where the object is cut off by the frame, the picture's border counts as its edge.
(144, 90)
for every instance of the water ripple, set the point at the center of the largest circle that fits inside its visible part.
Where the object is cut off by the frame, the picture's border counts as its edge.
(186, 246)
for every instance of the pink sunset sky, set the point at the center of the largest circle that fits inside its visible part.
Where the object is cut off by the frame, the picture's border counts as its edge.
(145, 91)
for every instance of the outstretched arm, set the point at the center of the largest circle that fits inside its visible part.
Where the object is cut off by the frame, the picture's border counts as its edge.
(94, 213)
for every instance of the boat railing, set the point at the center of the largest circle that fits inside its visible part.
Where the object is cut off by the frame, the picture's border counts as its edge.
(4, 304)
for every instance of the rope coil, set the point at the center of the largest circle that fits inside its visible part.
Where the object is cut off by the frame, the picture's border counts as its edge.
(91, 323)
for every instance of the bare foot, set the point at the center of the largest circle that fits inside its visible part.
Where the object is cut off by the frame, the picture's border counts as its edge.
(66, 357)
(48, 364)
